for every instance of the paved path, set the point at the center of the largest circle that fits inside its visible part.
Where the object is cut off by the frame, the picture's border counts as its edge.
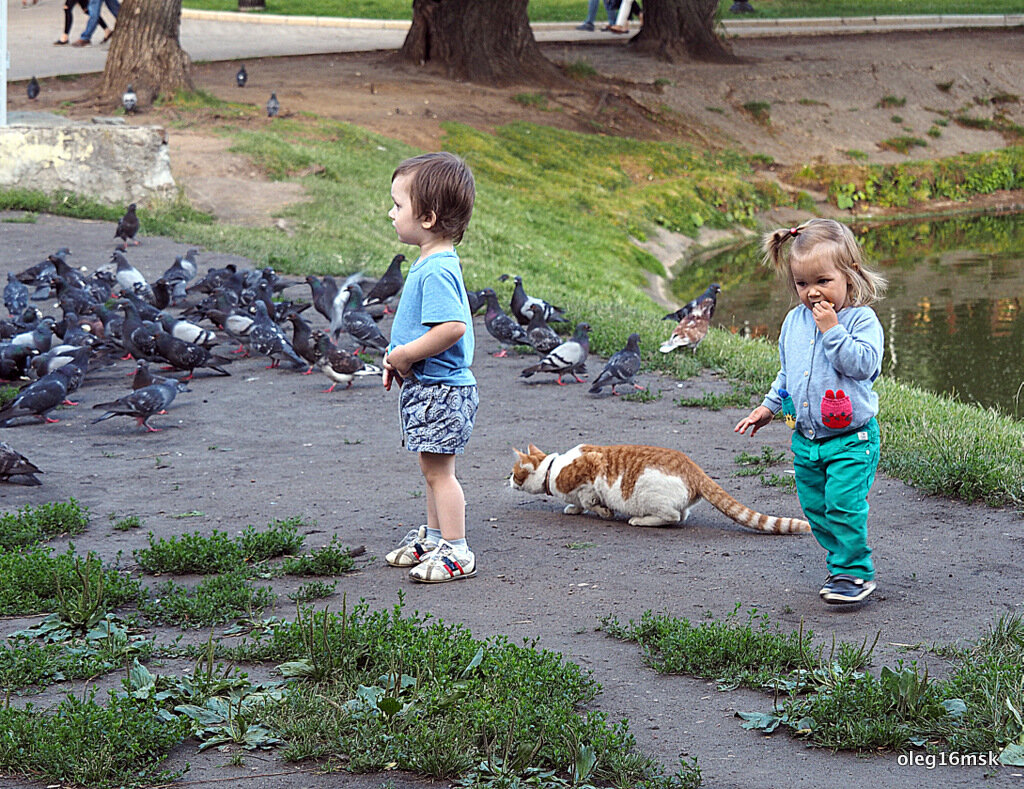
(228, 36)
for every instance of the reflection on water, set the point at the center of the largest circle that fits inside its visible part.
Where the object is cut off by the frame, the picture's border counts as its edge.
(952, 314)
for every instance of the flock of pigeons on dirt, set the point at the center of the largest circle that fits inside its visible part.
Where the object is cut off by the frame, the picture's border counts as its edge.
(182, 321)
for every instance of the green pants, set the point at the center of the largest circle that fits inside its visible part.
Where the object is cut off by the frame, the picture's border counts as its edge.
(833, 477)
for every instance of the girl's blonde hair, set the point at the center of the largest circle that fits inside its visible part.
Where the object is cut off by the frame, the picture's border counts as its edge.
(837, 242)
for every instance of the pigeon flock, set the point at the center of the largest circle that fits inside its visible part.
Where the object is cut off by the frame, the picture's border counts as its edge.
(185, 322)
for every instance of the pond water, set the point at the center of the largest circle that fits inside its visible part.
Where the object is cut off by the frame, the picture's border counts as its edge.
(952, 314)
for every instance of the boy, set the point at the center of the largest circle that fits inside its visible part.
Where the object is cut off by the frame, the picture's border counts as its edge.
(429, 357)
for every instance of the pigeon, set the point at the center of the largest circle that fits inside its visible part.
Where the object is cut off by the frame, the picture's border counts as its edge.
(542, 337)
(128, 226)
(187, 331)
(32, 89)
(267, 338)
(323, 294)
(360, 324)
(15, 361)
(55, 358)
(136, 337)
(129, 100)
(569, 357)
(144, 377)
(502, 328)
(14, 464)
(40, 338)
(477, 301)
(178, 275)
(620, 368)
(302, 339)
(130, 278)
(15, 295)
(521, 302)
(273, 106)
(242, 76)
(30, 275)
(710, 293)
(39, 398)
(337, 364)
(692, 328)
(387, 286)
(141, 403)
(184, 355)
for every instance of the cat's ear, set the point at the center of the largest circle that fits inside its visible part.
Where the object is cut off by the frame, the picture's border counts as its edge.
(519, 454)
(533, 450)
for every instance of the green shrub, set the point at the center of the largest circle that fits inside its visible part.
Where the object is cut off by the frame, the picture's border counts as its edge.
(32, 525)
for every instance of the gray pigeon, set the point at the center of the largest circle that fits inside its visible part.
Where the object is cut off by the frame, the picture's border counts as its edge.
(15, 296)
(542, 337)
(267, 338)
(129, 100)
(14, 464)
(130, 278)
(141, 403)
(501, 327)
(569, 357)
(39, 398)
(388, 285)
(521, 303)
(242, 76)
(32, 89)
(273, 106)
(621, 367)
(360, 324)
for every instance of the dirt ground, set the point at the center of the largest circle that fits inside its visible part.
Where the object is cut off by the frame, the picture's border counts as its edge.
(265, 444)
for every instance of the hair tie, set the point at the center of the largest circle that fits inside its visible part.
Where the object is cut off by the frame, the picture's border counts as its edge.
(793, 231)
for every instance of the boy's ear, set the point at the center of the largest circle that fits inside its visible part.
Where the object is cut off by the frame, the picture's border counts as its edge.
(428, 220)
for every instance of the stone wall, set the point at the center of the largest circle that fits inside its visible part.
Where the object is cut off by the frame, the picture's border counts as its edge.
(106, 159)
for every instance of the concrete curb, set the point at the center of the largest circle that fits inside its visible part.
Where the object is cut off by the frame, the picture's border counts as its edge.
(740, 28)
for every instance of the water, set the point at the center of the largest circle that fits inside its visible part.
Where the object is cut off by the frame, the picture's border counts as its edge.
(952, 315)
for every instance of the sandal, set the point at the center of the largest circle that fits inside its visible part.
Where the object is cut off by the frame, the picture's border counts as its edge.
(619, 30)
(106, 36)
(59, 43)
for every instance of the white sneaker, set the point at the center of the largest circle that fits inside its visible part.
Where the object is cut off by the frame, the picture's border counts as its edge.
(442, 565)
(412, 550)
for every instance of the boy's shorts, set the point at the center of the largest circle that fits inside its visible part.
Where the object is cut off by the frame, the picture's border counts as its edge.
(437, 418)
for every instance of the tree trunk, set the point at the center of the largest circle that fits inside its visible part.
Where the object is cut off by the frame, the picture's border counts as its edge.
(676, 30)
(145, 52)
(484, 41)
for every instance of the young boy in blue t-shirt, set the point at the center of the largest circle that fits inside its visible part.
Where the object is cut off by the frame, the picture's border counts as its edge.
(429, 357)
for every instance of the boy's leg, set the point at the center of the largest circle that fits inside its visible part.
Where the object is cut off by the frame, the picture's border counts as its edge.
(852, 462)
(446, 503)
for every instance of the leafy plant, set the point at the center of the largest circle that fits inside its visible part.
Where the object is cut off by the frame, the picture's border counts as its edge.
(902, 144)
(81, 602)
(217, 599)
(759, 111)
(331, 559)
(314, 590)
(128, 522)
(32, 525)
(886, 102)
(536, 100)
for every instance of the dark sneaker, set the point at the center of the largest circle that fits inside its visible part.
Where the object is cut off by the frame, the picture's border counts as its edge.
(826, 587)
(847, 589)
(589, 26)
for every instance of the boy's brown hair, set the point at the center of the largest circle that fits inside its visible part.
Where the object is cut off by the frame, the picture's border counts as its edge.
(440, 184)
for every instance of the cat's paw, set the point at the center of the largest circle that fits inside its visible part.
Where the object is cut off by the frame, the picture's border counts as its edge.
(572, 509)
(604, 512)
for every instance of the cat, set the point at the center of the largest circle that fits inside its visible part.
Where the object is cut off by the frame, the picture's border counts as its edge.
(655, 486)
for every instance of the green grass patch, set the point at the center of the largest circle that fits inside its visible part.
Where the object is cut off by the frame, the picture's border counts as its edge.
(902, 144)
(314, 590)
(537, 101)
(425, 696)
(580, 69)
(32, 525)
(760, 111)
(332, 559)
(888, 102)
(571, 10)
(900, 185)
(34, 581)
(121, 743)
(214, 601)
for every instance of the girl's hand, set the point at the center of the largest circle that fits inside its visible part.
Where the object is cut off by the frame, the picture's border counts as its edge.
(391, 373)
(757, 419)
(825, 317)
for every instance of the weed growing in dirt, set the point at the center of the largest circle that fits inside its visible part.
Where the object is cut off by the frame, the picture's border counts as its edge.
(121, 743)
(902, 144)
(580, 69)
(397, 678)
(944, 86)
(642, 396)
(314, 590)
(856, 155)
(31, 581)
(934, 132)
(887, 102)
(536, 100)
(218, 552)
(738, 395)
(32, 525)
(214, 601)
(281, 537)
(332, 559)
(896, 119)
(760, 111)
(759, 465)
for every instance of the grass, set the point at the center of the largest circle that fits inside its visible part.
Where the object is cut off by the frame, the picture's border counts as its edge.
(32, 525)
(829, 699)
(215, 600)
(759, 111)
(573, 10)
(902, 144)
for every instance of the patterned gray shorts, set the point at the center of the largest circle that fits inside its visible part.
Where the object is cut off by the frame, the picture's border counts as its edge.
(437, 418)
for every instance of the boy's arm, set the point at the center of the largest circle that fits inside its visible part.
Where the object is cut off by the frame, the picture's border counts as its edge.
(439, 337)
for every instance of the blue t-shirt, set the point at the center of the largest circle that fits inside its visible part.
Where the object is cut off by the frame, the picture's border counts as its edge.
(434, 293)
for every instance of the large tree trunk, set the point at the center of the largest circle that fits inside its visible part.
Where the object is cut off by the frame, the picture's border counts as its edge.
(485, 41)
(145, 52)
(677, 30)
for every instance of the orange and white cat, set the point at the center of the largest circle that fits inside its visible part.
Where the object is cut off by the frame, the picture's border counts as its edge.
(654, 486)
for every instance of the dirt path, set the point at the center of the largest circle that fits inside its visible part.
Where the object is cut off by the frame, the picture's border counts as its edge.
(266, 444)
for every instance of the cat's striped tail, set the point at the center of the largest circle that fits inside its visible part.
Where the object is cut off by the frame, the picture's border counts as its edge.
(716, 495)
